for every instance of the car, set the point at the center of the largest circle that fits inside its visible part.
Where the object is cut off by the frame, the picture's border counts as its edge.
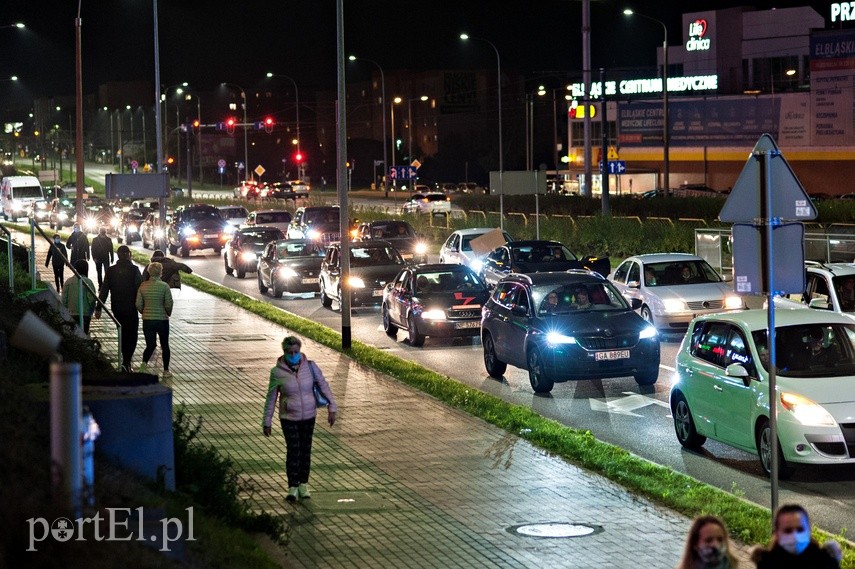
(429, 202)
(287, 190)
(154, 233)
(234, 215)
(320, 223)
(458, 247)
(300, 188)
(721, 386)
(828, 286)
(571, 339)
(436, 300)
(63, 213)
(40, 211)
(373, 264)
(130, 224)
(250, 189)
(397, 232)
(290, 265)
(242, 251)
(97, 214)
(469, 188)
(535, 256)
(195, 227)
(669, 301)
(279, 218)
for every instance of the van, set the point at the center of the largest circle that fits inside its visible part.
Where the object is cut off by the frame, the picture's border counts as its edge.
(17, 194)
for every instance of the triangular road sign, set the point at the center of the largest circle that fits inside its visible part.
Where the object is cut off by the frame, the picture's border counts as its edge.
(746, 200)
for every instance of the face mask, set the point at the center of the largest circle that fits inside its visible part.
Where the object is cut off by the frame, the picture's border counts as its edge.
(712, 555)
(292, 359)
(56, 240)
(795, 542)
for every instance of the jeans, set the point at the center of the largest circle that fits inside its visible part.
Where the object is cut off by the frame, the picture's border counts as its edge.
(298, 450)
(153, 329)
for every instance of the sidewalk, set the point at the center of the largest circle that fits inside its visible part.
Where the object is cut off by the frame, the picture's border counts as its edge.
(401, 480)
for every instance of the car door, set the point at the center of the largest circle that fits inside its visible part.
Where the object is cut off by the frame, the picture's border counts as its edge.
(333, 272)
(698, 374)
(733, 414)
(520, 326)
(265, 261)
(495, 266)
(816, 287)
(399, 297)
(504, 298)
(451, 248)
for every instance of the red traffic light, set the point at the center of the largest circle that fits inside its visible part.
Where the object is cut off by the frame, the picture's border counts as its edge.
(298, 157)
(230, 125)
(268, 124)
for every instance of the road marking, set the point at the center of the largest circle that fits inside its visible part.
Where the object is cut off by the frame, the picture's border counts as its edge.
(626, 405)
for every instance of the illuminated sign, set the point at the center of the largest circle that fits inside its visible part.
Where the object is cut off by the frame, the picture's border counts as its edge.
(648, 86)
(697, 41)
(843, 11)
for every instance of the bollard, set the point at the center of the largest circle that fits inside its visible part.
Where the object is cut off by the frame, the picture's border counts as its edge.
(65, 432)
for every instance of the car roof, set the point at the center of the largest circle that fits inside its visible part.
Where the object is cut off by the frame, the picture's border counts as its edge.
(231, 208)
(255, 228)
(664, 257)
(835, 269)
(272, 211)
(431, 267)
(757, 319)
(476, 230)
(556, 277)
(533, 243)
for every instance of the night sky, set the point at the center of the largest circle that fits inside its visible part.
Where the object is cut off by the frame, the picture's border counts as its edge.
(206, 43)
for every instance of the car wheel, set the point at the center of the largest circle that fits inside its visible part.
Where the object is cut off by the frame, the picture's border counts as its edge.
(277, 292)
(119, 238)
(684, 425)
(241, 273)
(390, 329)
(540, 383)
(764, 451)
(416, 340)
(647, 315)
(229, 270)
(173, 250)
(144, 243)
(648, 376)
(494, 366)
(326, 301)
(50, 223)
(185, 250)
(217, 250)
(261, 288)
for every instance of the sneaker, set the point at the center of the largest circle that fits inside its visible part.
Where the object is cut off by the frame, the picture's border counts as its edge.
(166, 374)
(303, 491)
(293, 494)
(142, 368)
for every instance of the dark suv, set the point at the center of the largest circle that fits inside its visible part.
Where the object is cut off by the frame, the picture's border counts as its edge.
(196, 226)
(536, 256)
(316, 223)
(564, 327)
(397, 232)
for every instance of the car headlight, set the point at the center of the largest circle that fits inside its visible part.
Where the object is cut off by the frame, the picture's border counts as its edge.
(434, 314)
(229, 229)
(132, 228)
(356, 282)
(732, 302)
(62, 216)
(115, 222)
(312, 234)
(476, 265)
(647, 332)
(188, 231)
(556, 338)
(420, 248)
(674, 305)
(248, 256)
(806, 411)
(158, 233)
(287, 273)
(91, 223)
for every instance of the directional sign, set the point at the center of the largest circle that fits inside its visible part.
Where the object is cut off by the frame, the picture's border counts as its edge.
(615, 167)
(746, 202)
(402, 172)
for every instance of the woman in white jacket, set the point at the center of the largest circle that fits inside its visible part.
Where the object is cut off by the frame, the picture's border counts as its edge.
(291, 381)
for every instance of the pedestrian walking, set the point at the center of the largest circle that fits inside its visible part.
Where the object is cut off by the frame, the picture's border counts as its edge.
(154, 302)
(792, 545)
(172, 269)
(292, 381)
(78, 242)
(102, 253)
(121, 282)
(708, 546)
(58, 255)
(71, 294)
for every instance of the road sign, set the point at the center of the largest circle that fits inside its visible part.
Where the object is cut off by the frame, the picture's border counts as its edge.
(745, 202)
(415, 164)
(260, 170)
(240, 166)
(221, 163)
(615, 167)
(402, 172)
(612, 155)
(749, 276)
(134, 164)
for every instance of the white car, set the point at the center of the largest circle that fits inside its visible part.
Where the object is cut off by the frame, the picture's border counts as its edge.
(674, 288)
(431, 202)
(828, 286)
(235, 215)
(458, 247)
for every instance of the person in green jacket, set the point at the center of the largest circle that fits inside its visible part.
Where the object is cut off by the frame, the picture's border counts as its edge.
(70, 294)
(154, 302)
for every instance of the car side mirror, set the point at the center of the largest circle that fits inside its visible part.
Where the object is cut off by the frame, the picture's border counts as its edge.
(454, 249)
(633, 284)
(736, 370)
(727, 278)
(819, 303)
(635, 303)
(519, 310)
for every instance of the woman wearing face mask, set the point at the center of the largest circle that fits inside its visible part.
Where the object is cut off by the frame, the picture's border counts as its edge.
(792, 545)
(292, 380)
(707, 546)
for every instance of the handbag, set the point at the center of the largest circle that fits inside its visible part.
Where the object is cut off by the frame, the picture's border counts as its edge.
(320, 398)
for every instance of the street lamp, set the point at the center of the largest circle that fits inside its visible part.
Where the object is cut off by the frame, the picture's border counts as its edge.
(423, 98)
(395, 101)
(18, 25)
(300, 171)
(245, 145)
(501, 163)
(665, 129)
(383, 109)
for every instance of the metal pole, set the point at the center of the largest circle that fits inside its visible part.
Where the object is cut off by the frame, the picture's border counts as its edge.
(768, 258)
(199, 141)
(410, 129)
(65, 447)
(344, 224)
(161, 202)
(112, 144)
(177, 145)
(78, 139)
(604, 121)
(586, 79)
(144, 145)
(555, 132)
(245, 138)
(665, 128)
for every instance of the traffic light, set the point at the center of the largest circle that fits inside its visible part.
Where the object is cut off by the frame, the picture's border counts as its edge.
(299, 157)
(196, 125)
(268, 124)
(230, 125)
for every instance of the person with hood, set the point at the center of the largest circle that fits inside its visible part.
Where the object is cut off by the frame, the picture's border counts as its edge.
(292, 381)
(121, 282)
(78, 242)
(71, 294)
(708, 546)
(102, 253)
(792, 545)
(172, 269)
(57, 254)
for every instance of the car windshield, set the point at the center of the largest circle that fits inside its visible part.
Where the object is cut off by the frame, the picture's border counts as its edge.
(262, 236)
(466, 242)
(273, 217)
(541, 253)
(201, 214)
(392, 229)
(370, 256)
(234, 213)
(28, 192)
(810, 350)
(845, 287)
(450, 280)
(321, 216)
(300, 249)
(575, 296)
(679, 273)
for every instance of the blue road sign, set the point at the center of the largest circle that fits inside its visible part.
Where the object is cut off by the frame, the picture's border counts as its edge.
(402, 172)
(615, 166)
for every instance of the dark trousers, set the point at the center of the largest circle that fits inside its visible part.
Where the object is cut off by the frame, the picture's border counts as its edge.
(298, 450)
(130, 322)
(59, 276)
(101, 268)
(152, 330)
(87, 320)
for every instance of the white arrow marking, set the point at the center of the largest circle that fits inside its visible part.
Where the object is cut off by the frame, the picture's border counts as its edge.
(626, 405)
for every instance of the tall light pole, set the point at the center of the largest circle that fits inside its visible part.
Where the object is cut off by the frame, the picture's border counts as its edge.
(423, 98)
(78, 107)
(20, 25)
(383, 108)
(665, 129)
(163, 99)
(395, 101)
(245, 145)
(300, 171)
(501, 161)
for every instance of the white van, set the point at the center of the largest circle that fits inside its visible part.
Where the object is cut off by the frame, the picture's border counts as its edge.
(17, 194)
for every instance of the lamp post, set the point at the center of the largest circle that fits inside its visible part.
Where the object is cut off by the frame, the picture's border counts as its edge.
(395, 101)
(665, 129)
(18, 25)
(300, 171)
(501, 162)
(423, 98)
(245, 145)
(383, 109)
(164, 97)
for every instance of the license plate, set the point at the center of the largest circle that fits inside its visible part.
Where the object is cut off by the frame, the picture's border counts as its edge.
(612, 355)
(211, 236)
(309, 281)
(377, 292)
(464, 325)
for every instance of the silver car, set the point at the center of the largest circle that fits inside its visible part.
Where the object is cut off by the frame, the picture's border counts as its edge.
(674, 288)
(458, 247)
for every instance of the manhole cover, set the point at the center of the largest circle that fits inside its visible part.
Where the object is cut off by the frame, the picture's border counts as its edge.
(555, 530)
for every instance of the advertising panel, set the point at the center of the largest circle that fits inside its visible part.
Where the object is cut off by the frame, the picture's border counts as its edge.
(832, 72)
